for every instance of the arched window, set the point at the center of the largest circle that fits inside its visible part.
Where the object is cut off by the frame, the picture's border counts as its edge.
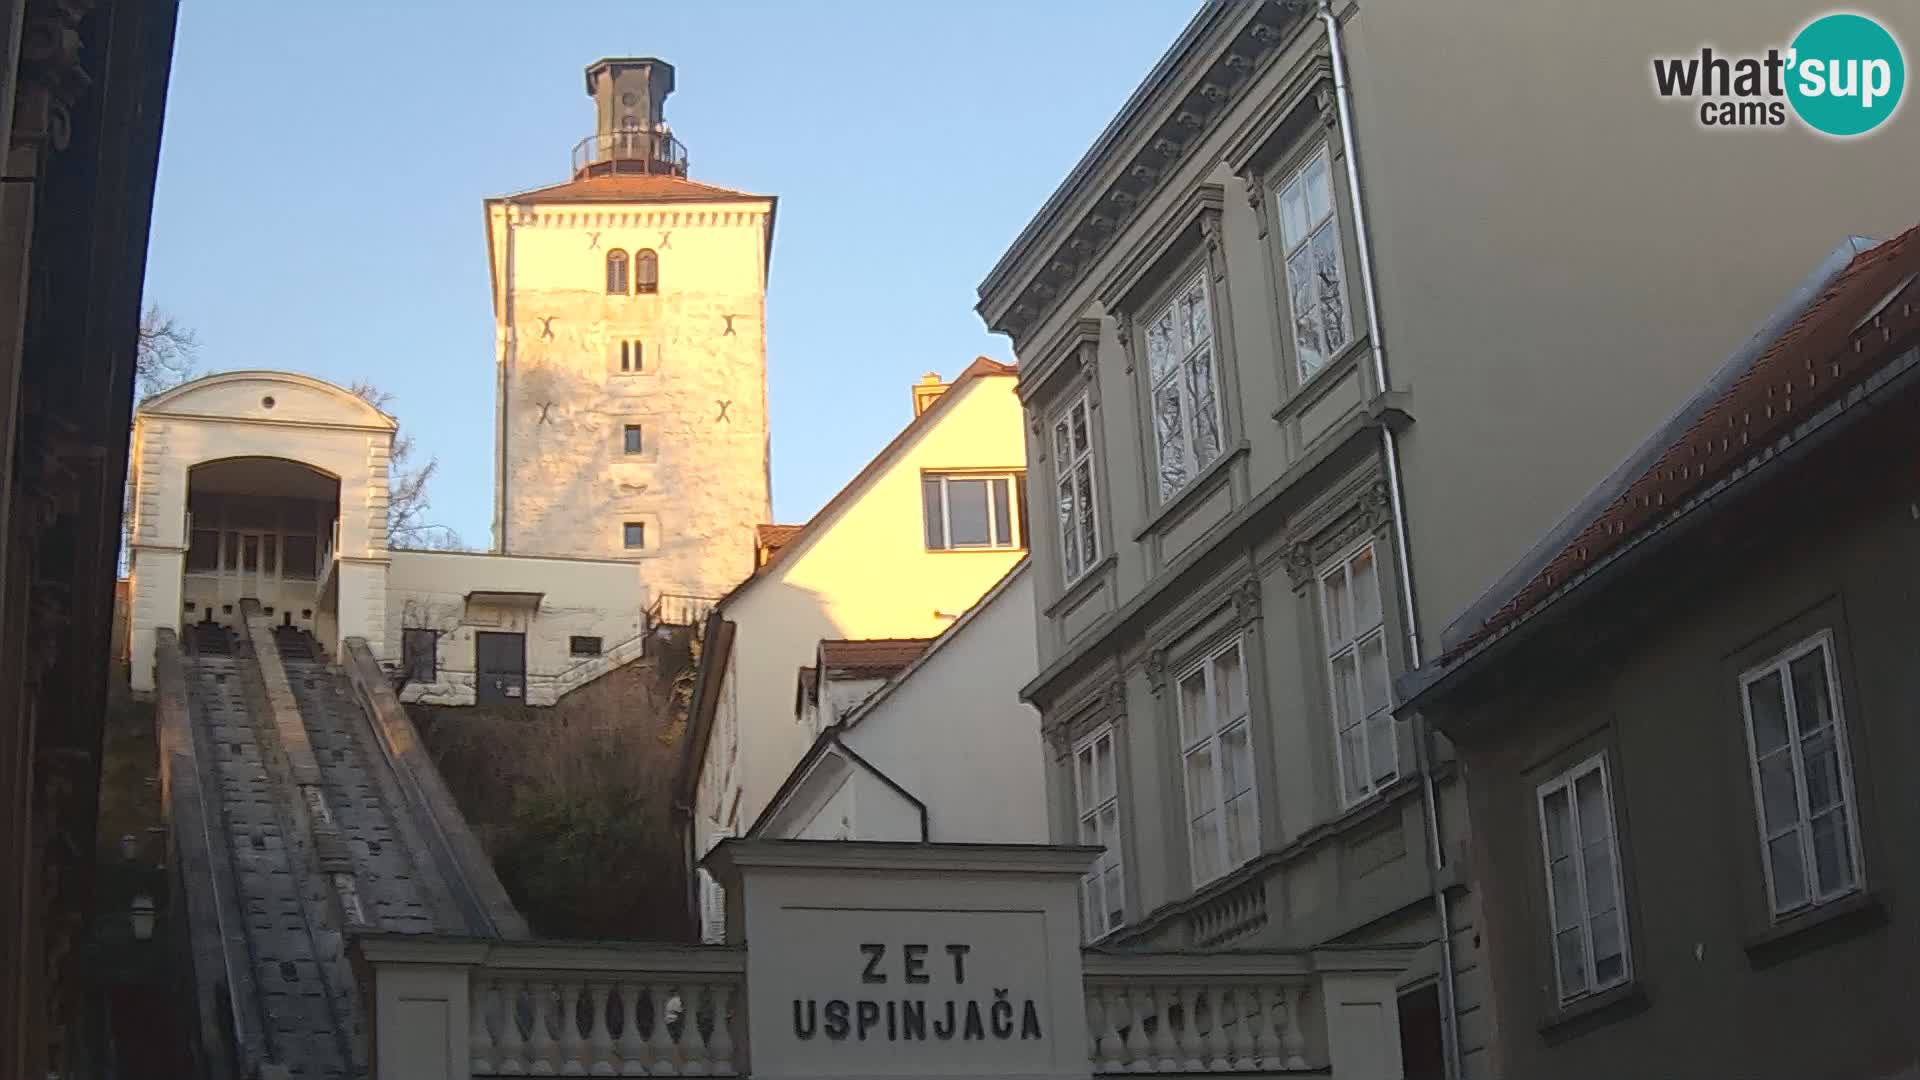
(646, 272)
(617, 272)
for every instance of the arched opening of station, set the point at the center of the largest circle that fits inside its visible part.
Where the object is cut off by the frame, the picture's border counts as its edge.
(259, 528)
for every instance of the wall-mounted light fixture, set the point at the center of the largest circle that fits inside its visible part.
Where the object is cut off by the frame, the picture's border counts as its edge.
(142, 917)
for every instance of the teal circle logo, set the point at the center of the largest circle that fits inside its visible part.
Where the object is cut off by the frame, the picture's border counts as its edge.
(1846, 74)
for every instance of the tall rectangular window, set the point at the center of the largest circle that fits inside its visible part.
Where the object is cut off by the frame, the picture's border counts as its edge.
(633, 535)
(1185, 401)
(972, 510)
(1587, 917)
(1073, 467)
(419, 650)
(1802, 777)
(1357, 677)
(203, 551)
(1096, 800)
(1315, 268)
(1217, 754)
(633, 353)
(630, 439)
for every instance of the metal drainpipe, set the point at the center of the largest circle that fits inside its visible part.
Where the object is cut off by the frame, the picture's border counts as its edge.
(1390, 452)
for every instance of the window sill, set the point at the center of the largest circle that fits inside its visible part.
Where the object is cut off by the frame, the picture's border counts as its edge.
(975, 550)
(1082, 586)
(1196, 489)
(1830, 923)
(1595, 1011)
(1321, 381)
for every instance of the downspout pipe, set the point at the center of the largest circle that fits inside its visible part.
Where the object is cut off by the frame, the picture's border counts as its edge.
(1403, 559)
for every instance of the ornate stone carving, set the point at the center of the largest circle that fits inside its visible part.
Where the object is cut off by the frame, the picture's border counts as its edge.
(51, 77)
(1115, 699)
(1299, 561)
(1257, 200)
(1376, 505)
(1210, 235)
(1329, 107)
(1157, 670)
(1246, 602)
(1123, 333)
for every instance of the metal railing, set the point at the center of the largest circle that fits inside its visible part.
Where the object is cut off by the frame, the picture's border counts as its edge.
(611, 152)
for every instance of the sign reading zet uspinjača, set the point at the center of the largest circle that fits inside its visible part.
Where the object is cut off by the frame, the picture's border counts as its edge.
(882, 991)
(917, 996)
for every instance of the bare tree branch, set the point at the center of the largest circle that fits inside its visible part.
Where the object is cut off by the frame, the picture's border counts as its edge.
(407, 504)
(164, 354)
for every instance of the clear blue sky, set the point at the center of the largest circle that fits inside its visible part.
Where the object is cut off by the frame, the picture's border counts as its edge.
(321, 178)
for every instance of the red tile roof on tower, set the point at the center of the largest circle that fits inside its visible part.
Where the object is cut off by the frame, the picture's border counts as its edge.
(632, 187)
(1835, 344)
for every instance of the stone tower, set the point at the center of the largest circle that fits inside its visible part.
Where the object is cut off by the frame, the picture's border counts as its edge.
(629, 306)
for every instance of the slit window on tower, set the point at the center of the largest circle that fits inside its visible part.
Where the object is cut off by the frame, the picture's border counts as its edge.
(633, 354)
(646, 272)
(617, 272)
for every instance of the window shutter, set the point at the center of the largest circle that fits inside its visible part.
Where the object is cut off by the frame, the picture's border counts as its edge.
(713, 911)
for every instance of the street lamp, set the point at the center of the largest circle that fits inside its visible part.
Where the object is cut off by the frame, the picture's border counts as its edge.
(142, 917)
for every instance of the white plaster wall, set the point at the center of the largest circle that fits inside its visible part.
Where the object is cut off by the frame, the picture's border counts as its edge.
(594, 598)
(228, 416)
(955, 733)
(865, 573)
(701, 484)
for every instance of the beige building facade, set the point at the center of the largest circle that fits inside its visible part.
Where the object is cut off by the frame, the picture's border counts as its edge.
(1261, 520)
(925, 530)
(944, 751)
(271, 486)
(630, 306)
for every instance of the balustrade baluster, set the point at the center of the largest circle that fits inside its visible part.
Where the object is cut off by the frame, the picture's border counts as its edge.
(721, 1047)
(479, 1039)
(1096, 1031)
(1160, 1001)
(692, 1042)
(1217, 1015)
(1266, 1037)
(633, 1048)
(512, 1058)
(1139, 1054)
(540, 1045)
(573, 1048)
(1189, 1040)
(660, 1041)
(599, 1039)
(1293, 1041)
(1240, 1040)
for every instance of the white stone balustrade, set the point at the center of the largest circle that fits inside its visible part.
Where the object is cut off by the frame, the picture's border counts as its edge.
(548, 1009)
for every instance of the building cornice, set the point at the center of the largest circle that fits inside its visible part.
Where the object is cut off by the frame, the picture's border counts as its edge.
(1182, 100)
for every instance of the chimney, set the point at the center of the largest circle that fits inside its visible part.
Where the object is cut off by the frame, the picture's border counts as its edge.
(927, 391)
(630, 125)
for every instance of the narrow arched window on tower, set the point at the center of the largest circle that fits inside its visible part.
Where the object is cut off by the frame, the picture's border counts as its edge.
(617, 272)
(646, 271)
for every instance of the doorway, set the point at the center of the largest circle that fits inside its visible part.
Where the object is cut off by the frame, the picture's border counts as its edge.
(500, 667)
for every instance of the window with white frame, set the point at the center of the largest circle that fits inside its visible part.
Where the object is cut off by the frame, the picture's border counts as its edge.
(974, 510)
(1357, 676)
(1802, 777)
(1217, 752)
(1585, 910)
(1096, 801)
(1315, 268)
(1073, 469)
(1185, 399)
